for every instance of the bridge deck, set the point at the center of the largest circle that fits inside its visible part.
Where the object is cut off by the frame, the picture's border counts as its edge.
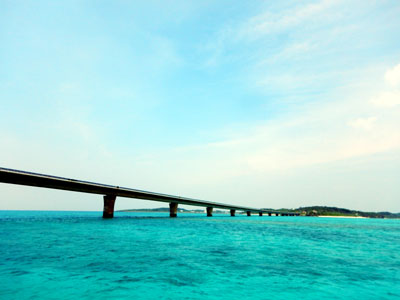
(53, 182)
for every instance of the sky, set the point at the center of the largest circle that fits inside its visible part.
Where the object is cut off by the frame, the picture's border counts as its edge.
(260, 103)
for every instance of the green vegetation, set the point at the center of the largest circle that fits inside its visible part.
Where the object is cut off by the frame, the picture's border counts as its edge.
(335, 211)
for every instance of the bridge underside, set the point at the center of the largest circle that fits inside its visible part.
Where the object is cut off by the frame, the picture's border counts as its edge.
(110, 193)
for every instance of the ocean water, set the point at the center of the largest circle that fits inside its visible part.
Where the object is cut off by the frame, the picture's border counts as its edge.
(79, 255)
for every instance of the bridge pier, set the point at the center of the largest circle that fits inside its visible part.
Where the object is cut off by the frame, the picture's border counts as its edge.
(260, 213)
(108, 210)
(173, 209)
(269, 214)
(209, 211)
(277, 214)
(233, 212)
(248, 213)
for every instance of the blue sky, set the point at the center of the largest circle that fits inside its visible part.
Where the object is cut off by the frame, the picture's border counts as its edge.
(263, 103)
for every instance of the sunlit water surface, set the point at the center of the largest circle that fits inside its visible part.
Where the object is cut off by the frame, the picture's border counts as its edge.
(78, 255)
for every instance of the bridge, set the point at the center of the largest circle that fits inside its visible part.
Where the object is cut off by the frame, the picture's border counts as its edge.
(110, 193)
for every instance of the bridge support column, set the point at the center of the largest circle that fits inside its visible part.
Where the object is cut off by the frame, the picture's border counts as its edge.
(173, 209)
(249, 213)
(276, 214)
(260, 213)
(269, 214)
(209, 211)
(232, 212)
(108, 210)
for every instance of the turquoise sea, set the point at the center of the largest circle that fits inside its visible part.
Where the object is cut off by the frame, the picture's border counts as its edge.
(79, 255)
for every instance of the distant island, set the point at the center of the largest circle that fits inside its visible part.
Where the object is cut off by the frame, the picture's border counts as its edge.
(338, 212)
(304, 211)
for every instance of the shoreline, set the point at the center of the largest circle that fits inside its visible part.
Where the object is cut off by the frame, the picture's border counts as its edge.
(344, 217)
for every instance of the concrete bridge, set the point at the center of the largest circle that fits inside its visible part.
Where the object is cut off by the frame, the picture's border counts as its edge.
(110, 193)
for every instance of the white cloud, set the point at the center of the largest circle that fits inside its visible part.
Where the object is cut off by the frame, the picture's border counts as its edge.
(363, 123)
(387, 99)
(391, 97)
(392, 76)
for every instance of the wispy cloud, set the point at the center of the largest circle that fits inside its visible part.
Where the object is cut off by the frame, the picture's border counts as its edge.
(271, 103)
(328, 132)
(302, 49)
(271, 23)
